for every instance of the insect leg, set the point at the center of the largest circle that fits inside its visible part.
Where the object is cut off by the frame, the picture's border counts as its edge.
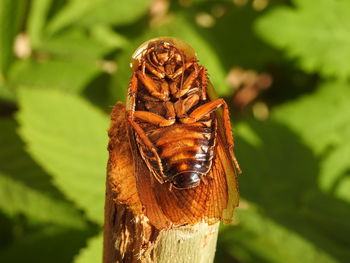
(204, 110)
(155, 72)
(204, 83)
(164, 87)
(153, 118)
(131, 98)
(151, 86)
(170, 111)
(173, 87)
(183, 106)
(180, 70)
(140, 132)
(208, 108)
(133, 85)
(188, 83)
(150, 146)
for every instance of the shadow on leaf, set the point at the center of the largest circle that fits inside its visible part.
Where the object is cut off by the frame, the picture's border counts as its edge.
(280, 182)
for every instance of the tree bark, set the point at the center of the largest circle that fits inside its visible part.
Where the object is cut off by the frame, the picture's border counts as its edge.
(128, 234)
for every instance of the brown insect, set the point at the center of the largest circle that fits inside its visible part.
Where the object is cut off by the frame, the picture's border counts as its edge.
(175, 125)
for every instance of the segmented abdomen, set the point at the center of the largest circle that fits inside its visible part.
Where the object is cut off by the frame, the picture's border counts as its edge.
(182, 148)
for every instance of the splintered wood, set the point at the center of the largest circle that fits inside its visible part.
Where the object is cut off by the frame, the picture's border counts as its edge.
(129, 236)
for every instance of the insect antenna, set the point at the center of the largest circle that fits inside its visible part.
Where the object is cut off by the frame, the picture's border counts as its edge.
(149, 56)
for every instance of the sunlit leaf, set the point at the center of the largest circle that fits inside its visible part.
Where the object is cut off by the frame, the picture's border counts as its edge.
(25, 188)
(11, 15)
(119, 12)
(71, 12)
(316, 32)
(68, 75)
(67, 136)
(259, 239)
(281, 180)
(93, 252)
(343, 189)
(107, 36)
(98, 11)
(322, 120)
(77, 43)
(37, 20)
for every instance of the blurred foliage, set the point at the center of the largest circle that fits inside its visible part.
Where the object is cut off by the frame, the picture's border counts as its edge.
(322, 46)
(63, 64)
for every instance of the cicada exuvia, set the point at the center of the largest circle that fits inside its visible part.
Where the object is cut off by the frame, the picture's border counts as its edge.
(183, 146)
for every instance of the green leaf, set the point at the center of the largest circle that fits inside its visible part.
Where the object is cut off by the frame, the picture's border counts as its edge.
(37, 20)
(69, 75)
(70, 13)
(259, 239)
(26, 189)
(46, 244)
(67, 136)
(78, 44)
(237, 45)
(93, 252)
(343, 189)
(11, 15)
(322, 120)
(107, 36)
(6, 93)
(93, 12)
(116, 12)
(315, 32)
(18, 198)
(281, 181)
(334, 168)
(297, 176)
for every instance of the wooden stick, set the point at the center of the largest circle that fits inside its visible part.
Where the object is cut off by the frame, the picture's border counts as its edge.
(128, 235)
